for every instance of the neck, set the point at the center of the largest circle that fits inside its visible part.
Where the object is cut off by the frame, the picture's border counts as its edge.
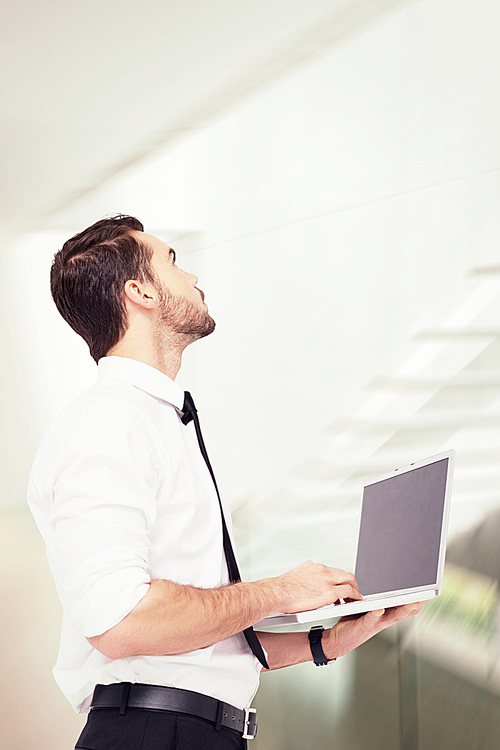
(164, 355)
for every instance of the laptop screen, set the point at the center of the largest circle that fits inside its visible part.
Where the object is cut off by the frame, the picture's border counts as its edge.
(400, 530)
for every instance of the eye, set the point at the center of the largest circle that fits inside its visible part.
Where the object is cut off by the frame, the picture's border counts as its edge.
(173, 255)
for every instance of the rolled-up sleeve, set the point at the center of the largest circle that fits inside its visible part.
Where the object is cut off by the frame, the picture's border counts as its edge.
(104, 475)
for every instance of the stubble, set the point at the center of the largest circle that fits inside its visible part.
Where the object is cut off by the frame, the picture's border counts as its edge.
(178, 316)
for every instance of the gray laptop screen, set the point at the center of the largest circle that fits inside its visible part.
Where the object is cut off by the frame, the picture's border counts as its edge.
(400, 530)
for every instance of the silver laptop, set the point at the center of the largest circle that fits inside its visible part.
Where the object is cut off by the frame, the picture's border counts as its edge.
(401, 541)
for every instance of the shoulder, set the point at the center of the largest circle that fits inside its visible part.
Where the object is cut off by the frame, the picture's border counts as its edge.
(105, 419)
(101, 407)
(100, 444)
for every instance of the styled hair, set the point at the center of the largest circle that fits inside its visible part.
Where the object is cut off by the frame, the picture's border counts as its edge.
(88, 276)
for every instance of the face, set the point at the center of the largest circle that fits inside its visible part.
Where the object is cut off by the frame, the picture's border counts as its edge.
(182, 308)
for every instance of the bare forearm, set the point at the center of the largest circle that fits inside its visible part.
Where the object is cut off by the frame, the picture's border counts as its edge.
(175, 619)
(285, 649)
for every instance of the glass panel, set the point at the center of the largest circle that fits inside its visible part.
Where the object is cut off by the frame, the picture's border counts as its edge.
(350, 705)
(457, 641)
(431, 682)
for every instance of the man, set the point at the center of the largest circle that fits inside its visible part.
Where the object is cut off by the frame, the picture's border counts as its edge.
(155, 615)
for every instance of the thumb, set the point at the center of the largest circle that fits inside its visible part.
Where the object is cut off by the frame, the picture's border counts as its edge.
(375, 615)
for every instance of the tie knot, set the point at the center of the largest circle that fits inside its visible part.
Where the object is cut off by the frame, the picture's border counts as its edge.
(188, 408)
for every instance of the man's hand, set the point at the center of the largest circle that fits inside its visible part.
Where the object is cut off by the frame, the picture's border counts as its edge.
(314, 585)
(350, 632)
(285, 649)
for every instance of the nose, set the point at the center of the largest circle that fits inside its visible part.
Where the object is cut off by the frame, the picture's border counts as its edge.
(190, 277)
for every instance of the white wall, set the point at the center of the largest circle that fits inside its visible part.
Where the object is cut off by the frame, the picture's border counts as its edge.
(331, 218)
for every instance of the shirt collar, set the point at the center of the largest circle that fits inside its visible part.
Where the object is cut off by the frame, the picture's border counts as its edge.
(142, 376)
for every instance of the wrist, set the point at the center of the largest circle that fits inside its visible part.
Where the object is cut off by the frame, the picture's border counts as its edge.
(266, 596)
(315, 637)
(331, 652)
(275, 594)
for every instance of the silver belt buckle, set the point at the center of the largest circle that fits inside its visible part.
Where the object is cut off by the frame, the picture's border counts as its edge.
(250, 723)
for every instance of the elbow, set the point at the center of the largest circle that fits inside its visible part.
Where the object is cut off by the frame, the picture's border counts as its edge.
(109, 645)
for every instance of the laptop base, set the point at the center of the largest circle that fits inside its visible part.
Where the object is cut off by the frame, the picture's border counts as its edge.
(347, 608)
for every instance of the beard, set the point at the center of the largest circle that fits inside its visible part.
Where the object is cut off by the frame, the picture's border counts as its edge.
(179, 316)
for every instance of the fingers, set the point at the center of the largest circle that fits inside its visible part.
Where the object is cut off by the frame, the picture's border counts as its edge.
(344, 582)
(347, 592)
(370, 620)
(314, 585)
(407, 610)
(383, 618)
(337, 576)
(396, 614)
(317, 573)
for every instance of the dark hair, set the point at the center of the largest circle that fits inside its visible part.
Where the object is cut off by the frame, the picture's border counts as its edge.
(88, 275)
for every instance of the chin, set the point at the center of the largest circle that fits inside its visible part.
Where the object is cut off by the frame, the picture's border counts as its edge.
(210, 327)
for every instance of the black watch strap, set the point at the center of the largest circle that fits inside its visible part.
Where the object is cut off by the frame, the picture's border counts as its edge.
(315, 635)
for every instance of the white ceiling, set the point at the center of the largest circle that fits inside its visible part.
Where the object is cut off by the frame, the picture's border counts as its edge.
(90, 88)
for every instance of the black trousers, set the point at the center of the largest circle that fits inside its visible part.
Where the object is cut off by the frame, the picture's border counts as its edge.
(141, 729)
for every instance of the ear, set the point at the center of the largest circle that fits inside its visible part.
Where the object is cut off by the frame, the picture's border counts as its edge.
(142, 294)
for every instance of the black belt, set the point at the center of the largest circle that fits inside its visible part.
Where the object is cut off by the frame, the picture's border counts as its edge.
(125, 695)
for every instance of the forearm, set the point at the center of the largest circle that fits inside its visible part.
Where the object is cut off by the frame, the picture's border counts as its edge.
(285, 649)
(175, 619)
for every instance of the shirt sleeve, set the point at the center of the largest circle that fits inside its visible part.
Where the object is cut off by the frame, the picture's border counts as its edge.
(104, 471)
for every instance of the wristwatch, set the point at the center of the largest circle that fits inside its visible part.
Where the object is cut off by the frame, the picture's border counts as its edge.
(315, 635)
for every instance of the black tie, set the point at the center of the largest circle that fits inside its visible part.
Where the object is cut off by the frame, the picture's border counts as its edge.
(190, 413)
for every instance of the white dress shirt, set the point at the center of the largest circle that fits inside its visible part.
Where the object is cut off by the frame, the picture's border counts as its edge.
(122, 496)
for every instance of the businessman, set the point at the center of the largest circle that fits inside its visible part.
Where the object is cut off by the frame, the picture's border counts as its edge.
(157, 641)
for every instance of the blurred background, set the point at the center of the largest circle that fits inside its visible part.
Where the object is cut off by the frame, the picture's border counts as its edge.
(330, 170)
